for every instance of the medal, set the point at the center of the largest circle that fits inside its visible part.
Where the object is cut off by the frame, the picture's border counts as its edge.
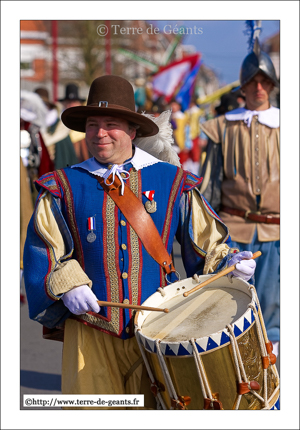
(150, 207)
(91, 237)
(150, 204)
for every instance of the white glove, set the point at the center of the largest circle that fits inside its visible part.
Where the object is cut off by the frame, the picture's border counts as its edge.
(80, 300)
(244, 268)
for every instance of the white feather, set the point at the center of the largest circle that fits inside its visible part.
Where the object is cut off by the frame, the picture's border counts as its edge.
(160, 145)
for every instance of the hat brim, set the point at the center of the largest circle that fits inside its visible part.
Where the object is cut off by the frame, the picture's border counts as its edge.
(72, 100)
(75, 118)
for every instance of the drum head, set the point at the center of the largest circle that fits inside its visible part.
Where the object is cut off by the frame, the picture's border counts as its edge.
(206, 311)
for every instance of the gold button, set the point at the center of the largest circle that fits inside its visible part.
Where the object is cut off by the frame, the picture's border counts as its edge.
(126, 302)
(122, 222)
(124, 275)
(123, 246)
(123, 175)
(109, 166)
(127, 329)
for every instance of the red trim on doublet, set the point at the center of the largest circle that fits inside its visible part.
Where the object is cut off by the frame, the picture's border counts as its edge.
(129, 264)
(117, 256)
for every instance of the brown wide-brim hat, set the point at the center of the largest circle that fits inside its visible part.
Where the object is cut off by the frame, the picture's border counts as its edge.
(109, 95)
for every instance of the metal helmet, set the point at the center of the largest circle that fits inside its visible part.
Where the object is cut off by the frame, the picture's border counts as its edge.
(255, 62)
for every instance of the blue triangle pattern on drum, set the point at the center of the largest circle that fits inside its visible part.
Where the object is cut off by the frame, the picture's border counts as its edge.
(211, 344)
(201, 344)
(216, 337)
(246, 324)
(169, 351)
(185, 349)
(148, 345)
(151, 343)
(224, 338)
(236, 331)
(240, 324)
(252, 316)
(174, 347)
(248, 316)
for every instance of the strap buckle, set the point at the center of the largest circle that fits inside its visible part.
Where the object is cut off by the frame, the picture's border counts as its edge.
(251, 212)
(105, 104)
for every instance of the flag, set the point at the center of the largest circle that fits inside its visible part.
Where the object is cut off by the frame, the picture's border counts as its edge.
(185, 93)
(167, 80)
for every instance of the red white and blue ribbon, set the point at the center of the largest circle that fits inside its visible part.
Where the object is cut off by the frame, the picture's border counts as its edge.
(149, 194)
(91, 223)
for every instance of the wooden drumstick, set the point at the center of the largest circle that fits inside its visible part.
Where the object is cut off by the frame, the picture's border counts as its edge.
(129, 306)
(219, 275)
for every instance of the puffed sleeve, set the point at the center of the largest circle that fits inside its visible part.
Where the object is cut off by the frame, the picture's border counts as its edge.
(203, 236)
(49, 269)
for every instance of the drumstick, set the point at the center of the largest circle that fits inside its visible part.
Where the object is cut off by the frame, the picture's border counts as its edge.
(129, 306)
(219, 275)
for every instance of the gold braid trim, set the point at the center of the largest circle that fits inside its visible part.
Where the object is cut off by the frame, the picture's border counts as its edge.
(66, 276)
(214, 257)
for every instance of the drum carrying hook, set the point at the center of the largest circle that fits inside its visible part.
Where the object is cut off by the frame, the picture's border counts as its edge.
(177, 274)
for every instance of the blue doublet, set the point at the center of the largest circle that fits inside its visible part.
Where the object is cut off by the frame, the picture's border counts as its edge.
(117, 263)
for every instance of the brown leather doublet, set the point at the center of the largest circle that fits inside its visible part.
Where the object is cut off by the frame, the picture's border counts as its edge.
(251, 168)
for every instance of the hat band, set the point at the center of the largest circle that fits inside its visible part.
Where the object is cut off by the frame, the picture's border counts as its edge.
(105, 104)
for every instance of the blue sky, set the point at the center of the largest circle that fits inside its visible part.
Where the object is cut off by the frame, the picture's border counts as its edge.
(223, 44)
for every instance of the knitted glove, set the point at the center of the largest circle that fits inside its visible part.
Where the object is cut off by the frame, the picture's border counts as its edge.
(80, 300)
(244, 268)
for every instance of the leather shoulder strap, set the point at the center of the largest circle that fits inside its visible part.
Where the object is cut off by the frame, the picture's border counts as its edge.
(139, 219)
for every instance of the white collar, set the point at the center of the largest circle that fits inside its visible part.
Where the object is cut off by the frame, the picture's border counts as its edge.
(268, 117)
(140, 160)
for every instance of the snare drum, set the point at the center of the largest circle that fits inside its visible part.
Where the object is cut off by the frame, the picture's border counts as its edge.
(210, 351)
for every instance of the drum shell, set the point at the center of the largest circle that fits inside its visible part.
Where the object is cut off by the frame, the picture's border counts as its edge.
(220, 372)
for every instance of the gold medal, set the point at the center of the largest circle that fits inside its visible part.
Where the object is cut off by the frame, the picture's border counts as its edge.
(150, 206)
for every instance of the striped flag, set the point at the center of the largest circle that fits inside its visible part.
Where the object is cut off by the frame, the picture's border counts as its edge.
(171, 77)
(149, 194)
(185, 93)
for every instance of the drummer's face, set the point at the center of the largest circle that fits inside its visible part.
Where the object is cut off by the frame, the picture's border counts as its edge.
(109, 139)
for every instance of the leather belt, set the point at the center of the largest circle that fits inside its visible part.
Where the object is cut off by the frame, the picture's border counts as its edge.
(252, 216)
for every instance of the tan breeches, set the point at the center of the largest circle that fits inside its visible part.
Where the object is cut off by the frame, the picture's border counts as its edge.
(96, 363)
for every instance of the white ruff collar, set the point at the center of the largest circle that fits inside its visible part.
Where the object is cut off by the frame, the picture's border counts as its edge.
(140, 160)
(268, 117)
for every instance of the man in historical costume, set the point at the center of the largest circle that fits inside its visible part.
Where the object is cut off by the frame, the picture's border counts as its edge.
(84, 249)
(241, 178)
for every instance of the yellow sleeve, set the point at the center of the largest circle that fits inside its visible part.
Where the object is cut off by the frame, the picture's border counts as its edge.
(209, 234)
(67, 274)
(214, 128)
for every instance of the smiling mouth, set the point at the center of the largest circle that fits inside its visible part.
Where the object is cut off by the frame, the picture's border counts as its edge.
(102, 143)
